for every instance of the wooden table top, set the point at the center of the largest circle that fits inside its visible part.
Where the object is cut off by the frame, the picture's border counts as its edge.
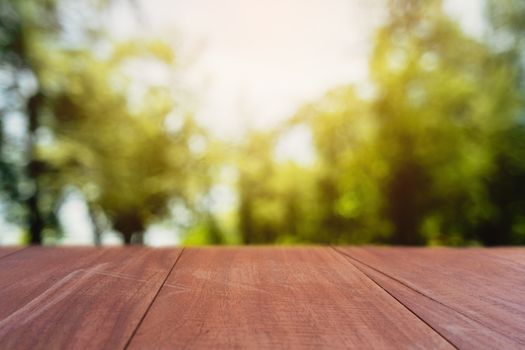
(262, 297)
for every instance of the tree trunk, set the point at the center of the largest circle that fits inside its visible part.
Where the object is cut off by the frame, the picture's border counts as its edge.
(97, 236)
(35, 219)
(97, 232)
(36, 224)
(127, 239)
(136, 238)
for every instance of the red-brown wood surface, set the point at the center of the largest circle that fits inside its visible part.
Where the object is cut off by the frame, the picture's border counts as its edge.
(474, 299)
(516, 255)
(5, 251)
(77, 298)
(277, 298)
(262, 298)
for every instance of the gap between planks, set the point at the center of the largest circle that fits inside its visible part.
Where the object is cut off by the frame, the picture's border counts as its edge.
(350, 258)
(450, 309)
(154, 299)
(15, 250)
(282, 307)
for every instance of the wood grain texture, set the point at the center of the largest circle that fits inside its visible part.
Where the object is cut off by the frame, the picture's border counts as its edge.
(474, 299)
(77, 298)
(306, 298)
(516, 255)
(5, 251)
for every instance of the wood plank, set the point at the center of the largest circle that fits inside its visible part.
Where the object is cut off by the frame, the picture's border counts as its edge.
(276, 298)
(77, 297)
(8, 250)
(514, 254)
(473, 299)
(32, 271)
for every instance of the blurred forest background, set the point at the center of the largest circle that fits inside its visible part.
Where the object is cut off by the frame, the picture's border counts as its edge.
(433, 155)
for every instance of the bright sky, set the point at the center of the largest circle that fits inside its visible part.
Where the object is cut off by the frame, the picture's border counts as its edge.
(252, 63)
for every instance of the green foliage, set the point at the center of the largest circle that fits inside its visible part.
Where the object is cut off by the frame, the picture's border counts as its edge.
(102, 139)
(274, 209)
(25, 24)
(443, 100)
(432, 158)
(119, 152)
(435, 156)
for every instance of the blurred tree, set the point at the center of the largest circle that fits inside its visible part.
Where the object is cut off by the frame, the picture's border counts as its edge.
(120, 153)
(24, 23)
(256, 224)
(435, 156)
(506, 21)
(349, 172)
(442, 101)
(275, 197)
(410, 165)
(92, 125)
